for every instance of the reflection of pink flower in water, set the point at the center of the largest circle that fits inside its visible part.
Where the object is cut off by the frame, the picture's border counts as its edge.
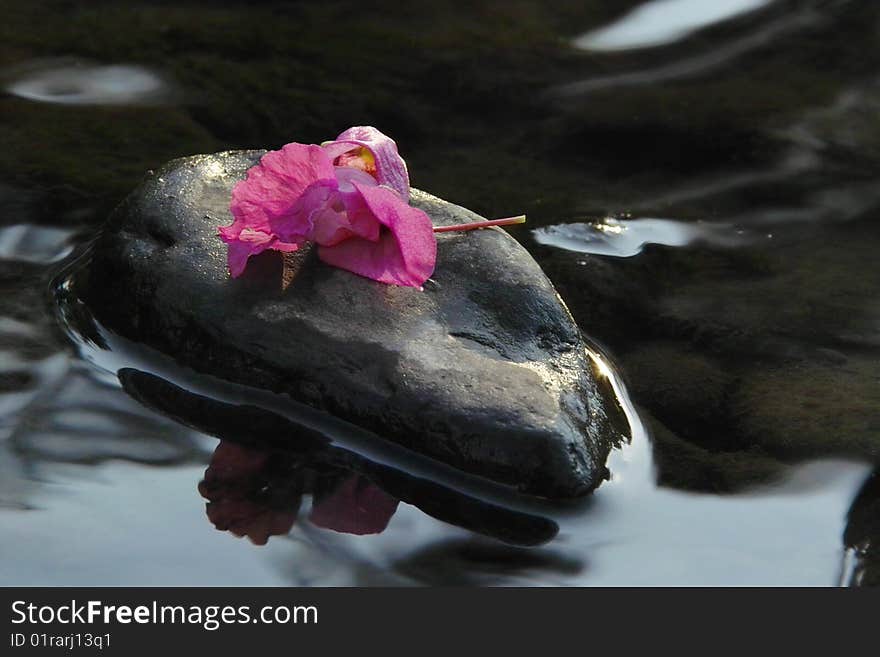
(257, 494)
(355, 507)
(232, 481)
(245, 518)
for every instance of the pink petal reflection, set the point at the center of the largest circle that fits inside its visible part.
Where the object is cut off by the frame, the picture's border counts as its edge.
(356, 507)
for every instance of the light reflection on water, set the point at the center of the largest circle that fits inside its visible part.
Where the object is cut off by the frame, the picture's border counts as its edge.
(36, 244)
(125, 523)
(663, 21)
(627, 237)
(76, 83)
(693, 64)
(634, 533)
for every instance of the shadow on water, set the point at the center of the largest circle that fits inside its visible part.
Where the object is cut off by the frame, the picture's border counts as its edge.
(745, 322)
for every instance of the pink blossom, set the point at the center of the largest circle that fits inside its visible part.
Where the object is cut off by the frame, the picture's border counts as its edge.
(349, 197)
(364, 147)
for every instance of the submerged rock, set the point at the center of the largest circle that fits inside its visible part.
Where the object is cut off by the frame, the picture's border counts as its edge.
(484, 369)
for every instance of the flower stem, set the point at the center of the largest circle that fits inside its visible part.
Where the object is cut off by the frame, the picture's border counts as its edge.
(509, 221)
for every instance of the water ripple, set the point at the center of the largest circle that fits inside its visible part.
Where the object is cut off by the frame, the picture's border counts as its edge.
(624, 238)
(695, 65)
(35, 244)
(67, 83)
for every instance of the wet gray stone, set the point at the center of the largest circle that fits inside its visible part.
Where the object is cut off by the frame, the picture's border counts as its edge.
(484, 369)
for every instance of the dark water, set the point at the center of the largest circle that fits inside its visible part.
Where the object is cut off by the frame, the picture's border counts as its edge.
(701, 186)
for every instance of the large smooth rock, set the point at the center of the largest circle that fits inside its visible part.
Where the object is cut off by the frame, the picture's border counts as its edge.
(484, 369)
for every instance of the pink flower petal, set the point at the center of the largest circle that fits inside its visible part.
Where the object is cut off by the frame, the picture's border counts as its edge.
(271, 195)
(297, 223)
(390, 169)
(347, 176)
(356, 507)
(248, 243)
(295, 167)
(404, 254)
(342, 216)
(273, 186)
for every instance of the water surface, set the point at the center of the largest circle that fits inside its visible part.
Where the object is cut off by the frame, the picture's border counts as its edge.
(701, 186)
